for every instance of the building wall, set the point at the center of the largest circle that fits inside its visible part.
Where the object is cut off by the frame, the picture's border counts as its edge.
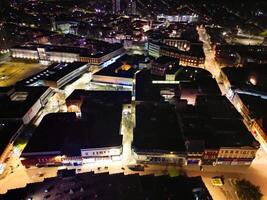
(112, 80)
(159, 158)
(210, 156)
(32, 112)
(70, 76)
(24, 54)
(48, 93)
(74, 105)
(182, 45)
(153, 50)
(62, 57)
(179, 18)
(236, 156)
(183, 58)
(237, 153)
(101, 152)
(56, 158)
(259, 133)
(159, 69)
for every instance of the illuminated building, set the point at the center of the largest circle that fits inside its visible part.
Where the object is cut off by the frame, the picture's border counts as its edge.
(189, 18)
(188, 53)
(57, 75)
(94, 135)
(118, 185)
(240, 55)
(214, 121)
(131, 7)
(53, 53)
(116, 6)
(162, 64)
(121, 73)
(247, 91)
(77, 97)
(253, 109)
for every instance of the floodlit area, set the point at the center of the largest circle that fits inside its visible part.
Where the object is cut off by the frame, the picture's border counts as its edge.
(247, 40)
(12, 72)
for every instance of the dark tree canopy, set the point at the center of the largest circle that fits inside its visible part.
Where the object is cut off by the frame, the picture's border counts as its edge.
(247, 191)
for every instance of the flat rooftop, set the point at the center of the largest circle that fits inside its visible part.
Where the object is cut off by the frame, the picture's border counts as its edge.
(257, 105)
(195, 50)
(208, 86)
(97, 49)
(145, 90)
(117, 186)
(122, 97)
(157, 128)
(215, 132)
(251, 78)
(54, 72)
(18, 103)
(192, 73)
(124, 67)
(99, 127)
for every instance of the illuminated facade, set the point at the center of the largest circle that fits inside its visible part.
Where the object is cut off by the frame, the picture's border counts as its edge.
(131, 7)
(183, 45)
(160, 158)
(186, 18)
(179, 49)
(52, 53)
(116, 6)
(236, 156)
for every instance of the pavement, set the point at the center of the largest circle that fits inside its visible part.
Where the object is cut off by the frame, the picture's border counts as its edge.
(12, 72)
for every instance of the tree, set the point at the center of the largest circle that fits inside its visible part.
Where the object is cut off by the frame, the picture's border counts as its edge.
(247, 191)
(128, 123)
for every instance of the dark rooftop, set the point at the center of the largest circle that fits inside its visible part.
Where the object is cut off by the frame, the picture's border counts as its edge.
(121, 97)
(145, 90)
(251, 77)
(195, 50)
(257, 106)
(117, 186)
(217, 133)
(124, 67)
(57, 71)
(54, 72)
(192, 74)
(157, 128)
(216, 107)
(17, 104)
(94, 130)
(166, 60)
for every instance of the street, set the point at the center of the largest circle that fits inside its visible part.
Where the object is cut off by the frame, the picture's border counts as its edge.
(256, 172)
